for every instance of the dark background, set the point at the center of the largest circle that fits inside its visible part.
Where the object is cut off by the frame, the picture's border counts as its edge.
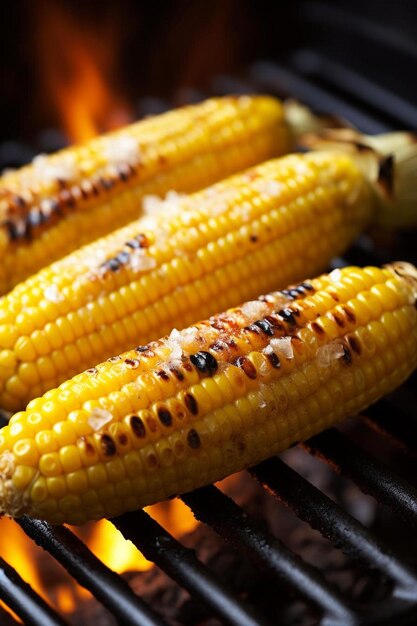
(163, 48)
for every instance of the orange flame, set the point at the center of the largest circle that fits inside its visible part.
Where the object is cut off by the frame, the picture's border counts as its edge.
(77, 65)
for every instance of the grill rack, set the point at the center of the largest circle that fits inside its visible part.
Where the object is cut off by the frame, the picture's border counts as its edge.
(373, 109)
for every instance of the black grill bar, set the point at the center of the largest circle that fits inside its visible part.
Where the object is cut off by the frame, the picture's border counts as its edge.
(181, 564)
(369, 474)
(318, 510)
(108, 587)
(277, 79)
(25, 602)
(395, 108)
(214, 508)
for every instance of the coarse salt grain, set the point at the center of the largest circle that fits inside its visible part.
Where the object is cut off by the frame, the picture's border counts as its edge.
(50, 169)
(335, 275)
(254, 310)
(122, 149)
(140, 261)
(328, 353)
(282, 346)
(99, 418)
(53, 294)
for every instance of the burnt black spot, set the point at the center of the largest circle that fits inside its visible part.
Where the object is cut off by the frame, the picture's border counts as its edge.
(347, 356)
(247, 366)
(386, 174)
(317, 328)
(35, 218)
(231, 343)
(253, 238)
(133, 363)
(137, 426)
(122, 439)
(291, 294)
(349, 314)
(112, 264)
(252, 328)
(88, 447)
(276, 323)
(306, 286)
(355, 345)
(339, 320)
(193, 439)
(123, 257)
(142, 348)
(288, 315)
(92, 371)
(18, 201)
(205, 362)
(107, 445)
(334, 295)
(162, 375)
(123, 172)
(177, 373)
(274, 360)
(66, 197)
(191, 403)
(106, 183)
(133, 243)
(265, 326)
(12, 230)
(187, 366)
(165, 416)
(143, 240)
(114, 359)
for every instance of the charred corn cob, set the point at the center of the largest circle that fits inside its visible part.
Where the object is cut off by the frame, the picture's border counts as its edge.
(63, 201)
(257, 231)
(213, 399)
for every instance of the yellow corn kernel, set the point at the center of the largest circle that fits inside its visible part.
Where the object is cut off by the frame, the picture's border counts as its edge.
(220, 396)
(214, 248)
(106, 179)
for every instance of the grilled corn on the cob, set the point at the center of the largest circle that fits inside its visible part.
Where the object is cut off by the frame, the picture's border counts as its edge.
(213, 399)
(257, 231)
(63, 201)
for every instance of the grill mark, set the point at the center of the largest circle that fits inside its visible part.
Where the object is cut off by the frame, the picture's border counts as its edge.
(265, 326)
(204, 362)
(317, 328)
(165, 416)
(193, 439)
(137, 426)
(349, 314)
(191, 403)
(274, 360)
(107, 445)
(355, 345)
(247, 366)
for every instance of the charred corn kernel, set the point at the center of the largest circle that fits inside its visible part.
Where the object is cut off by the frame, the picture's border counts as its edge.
(218, 397)
(251, 233)
(65, 200)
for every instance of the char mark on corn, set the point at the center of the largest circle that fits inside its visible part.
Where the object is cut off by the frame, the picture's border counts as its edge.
(124, 437)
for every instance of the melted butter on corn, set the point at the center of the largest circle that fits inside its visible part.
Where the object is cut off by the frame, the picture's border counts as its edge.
(213, 399)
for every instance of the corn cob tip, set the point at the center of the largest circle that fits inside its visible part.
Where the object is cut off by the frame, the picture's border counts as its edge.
(406, 271)
(11, 500)
(388, 161)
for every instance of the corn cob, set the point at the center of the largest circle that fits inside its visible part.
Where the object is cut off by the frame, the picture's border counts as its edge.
(205, 252)
(212, 399)
(63, 201)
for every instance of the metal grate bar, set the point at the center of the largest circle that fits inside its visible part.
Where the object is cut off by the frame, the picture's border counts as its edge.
(368, 473)
(314, 64)
(25, 602)
(107, 586)
(278, 79)
(181, 564)
(212, 507)
(318, 510)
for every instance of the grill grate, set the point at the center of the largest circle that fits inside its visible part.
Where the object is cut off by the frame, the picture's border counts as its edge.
(327, 86)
